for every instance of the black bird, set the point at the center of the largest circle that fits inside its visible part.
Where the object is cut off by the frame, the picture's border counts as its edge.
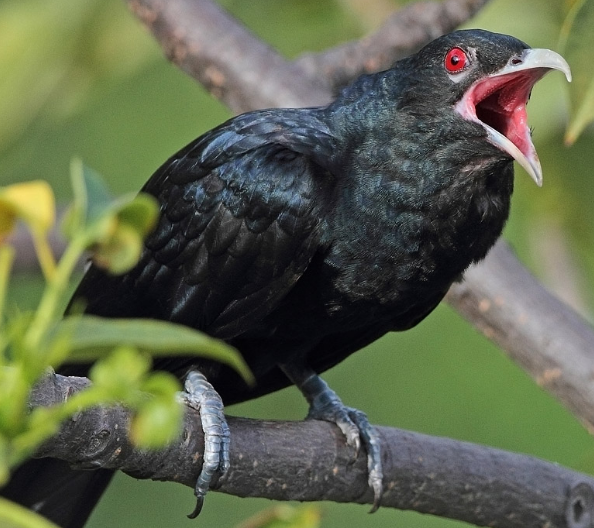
(302, 235)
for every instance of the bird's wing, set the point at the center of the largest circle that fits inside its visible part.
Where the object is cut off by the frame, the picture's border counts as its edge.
(240, 210)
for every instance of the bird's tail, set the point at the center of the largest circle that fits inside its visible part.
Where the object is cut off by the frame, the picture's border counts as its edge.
(53, 489)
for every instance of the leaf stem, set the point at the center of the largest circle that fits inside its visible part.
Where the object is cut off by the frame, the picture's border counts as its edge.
(6, 259)
(44, 255)
(45, 314)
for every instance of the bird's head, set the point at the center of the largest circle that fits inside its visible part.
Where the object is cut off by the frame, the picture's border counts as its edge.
(487, 79)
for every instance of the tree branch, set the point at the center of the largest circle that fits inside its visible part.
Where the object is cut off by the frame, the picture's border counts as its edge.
(246, 74)
(309, 461)
(219, 52)
(403, 33)
(538, 331)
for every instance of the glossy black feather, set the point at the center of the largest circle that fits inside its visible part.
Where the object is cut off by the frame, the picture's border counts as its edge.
(237, 229)
(53, 488)
(302, 235)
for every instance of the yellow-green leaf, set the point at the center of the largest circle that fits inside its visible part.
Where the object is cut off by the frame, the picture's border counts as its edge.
(121, 371)
(285, 516)
(120, 251)
(99, 199)
(14, 390)
(91, 337)
(577, 43)
(114, 230)
(120, 247)
(141, 213)
(157, 423)
(33, 202)
(91, 198)
(15, 516)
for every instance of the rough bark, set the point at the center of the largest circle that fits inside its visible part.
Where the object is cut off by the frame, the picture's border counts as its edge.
(309, 461)
(543, 335)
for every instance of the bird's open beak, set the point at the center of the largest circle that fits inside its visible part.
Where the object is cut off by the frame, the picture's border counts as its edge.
(498, 103)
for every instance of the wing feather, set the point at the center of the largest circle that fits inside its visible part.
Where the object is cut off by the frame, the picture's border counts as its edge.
(240, 222)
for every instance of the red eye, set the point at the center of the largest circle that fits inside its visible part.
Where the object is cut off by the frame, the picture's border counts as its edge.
(455, 60)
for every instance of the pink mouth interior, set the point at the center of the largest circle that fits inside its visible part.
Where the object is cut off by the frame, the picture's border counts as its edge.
(500, 102)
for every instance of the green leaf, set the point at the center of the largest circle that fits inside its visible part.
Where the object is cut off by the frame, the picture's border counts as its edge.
(119, 247)
(577, 43)
(99, 198)
(15, 516)
(91, 198)
(124, 376)
(161, 384)
(14, 390)
(120, 372)
(113, 229)
(141, 213)
(4, 460)
(121, 250)
(57, 350)
(285, 516)
(39, 425)
(157, 423)
(92, 337)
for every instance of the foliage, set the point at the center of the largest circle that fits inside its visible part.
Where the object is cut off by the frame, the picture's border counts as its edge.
(285, 516)
(42, 74)
(14, 515)
(577, 43)
(33, 341)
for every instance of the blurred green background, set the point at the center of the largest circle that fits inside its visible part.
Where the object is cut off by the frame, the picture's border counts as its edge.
(83, 78)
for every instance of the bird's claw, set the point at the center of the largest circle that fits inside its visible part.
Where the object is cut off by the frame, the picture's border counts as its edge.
(371, 441)
(201, 395)
(354, 424)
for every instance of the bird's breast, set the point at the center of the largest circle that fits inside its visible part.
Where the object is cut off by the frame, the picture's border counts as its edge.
(400, 244)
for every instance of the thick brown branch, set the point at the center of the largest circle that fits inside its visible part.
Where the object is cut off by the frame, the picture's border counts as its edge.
(546, 337)
(404, 32)
(215, 49)
(309, 461)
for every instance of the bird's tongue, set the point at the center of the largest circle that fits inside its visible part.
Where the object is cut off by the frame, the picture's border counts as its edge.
(505, 108)
(498, 103)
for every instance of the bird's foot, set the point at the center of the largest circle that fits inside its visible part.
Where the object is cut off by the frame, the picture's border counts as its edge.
(326, 405)
(201, 395)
